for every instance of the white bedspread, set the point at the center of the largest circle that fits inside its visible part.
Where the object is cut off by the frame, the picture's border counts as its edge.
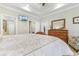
(32, 44)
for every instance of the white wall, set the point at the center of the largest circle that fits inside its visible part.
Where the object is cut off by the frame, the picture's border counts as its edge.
(68, 15)
(14, 14)
(46, 21)
(22, 27)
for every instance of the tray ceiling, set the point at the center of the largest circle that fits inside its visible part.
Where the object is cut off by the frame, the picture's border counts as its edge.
(39, 8)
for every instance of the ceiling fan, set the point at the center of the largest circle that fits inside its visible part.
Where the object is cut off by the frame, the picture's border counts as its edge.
(43, 4)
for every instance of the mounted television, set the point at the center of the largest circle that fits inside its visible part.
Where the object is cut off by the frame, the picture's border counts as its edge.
(23, 18)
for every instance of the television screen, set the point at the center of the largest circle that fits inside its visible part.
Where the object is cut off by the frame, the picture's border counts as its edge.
(23, 18)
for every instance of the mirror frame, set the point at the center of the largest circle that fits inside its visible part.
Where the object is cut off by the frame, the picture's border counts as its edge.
(58, 21)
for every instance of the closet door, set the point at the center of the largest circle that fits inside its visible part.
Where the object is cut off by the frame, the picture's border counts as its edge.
(31, 27)
(9, 27)
(0, 25)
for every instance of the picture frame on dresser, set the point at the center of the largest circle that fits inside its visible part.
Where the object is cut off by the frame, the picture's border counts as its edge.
(58, 24)
(76, 20)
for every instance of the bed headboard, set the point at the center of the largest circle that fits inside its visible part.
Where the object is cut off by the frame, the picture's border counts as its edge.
(62, 34)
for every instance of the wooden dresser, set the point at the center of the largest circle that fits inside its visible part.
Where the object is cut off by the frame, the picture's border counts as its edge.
(62, 34)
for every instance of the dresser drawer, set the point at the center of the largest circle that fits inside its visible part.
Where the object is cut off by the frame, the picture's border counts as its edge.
(62, 34)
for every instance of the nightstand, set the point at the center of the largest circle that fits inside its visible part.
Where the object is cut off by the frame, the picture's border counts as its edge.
(40, 33)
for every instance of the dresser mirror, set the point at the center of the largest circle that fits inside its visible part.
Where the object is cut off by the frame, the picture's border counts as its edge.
(58, 24)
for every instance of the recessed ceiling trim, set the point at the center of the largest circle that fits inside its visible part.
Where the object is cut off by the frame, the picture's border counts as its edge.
(41, 12)
(61, 10)
(17, 10)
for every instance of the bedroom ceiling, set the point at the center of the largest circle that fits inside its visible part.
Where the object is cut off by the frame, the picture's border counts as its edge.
(39, 8)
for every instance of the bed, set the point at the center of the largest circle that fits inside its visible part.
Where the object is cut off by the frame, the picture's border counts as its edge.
(33, 45)
(74, 42)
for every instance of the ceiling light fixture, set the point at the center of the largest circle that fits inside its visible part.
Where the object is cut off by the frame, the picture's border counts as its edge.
(27, 7)
(59, 5)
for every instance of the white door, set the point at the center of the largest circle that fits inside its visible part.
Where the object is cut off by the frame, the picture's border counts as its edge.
(10, 27)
